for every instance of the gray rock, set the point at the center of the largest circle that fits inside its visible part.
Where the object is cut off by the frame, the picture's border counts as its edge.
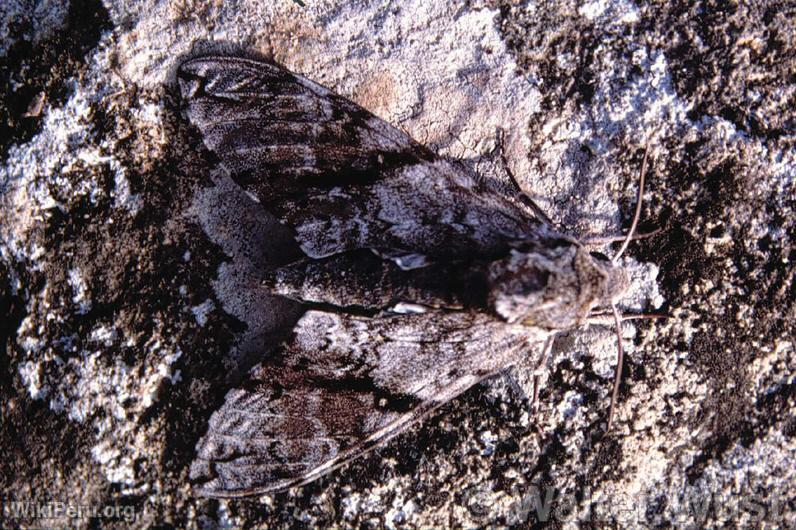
(130, 288)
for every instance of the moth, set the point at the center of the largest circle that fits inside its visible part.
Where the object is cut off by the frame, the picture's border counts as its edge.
(419, 279)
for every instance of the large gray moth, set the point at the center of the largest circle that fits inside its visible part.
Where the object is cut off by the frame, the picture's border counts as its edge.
(419, 279)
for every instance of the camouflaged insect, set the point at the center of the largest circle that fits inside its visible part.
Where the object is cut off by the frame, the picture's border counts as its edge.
(419, 281)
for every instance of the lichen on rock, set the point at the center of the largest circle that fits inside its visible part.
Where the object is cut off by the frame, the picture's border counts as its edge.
(129, 289)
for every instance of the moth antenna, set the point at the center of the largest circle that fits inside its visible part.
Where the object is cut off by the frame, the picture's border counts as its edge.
(637, 213)
(603, 240)
(605, 318)
(619, 361)
(524, 197)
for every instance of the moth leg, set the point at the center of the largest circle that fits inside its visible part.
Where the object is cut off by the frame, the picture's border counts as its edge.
(604, 240)
(541, 362)
(606, 318)
(619, 360)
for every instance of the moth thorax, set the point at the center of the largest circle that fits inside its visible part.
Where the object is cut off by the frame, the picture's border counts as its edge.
(554, 287)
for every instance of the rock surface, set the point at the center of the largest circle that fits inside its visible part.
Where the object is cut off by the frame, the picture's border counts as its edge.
(128, 288)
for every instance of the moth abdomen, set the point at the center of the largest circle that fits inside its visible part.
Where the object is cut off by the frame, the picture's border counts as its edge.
(364, 279)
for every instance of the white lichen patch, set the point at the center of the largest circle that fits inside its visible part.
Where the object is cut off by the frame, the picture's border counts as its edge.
(93, 386)
(80, 295)
(30, 373)
(31, 170)
(612, 13)
(620, 111)
(201, 311)
(776, 369)
(105, 335)
(123, 393)
(643, 293)
(122, 194)
(225, 518)
(112, 385)
(118, 468)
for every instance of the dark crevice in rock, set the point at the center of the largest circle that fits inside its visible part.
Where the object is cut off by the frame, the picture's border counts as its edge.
(12, 311)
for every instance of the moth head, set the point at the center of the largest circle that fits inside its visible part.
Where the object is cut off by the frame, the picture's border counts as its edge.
(616, 282)
(554, 284)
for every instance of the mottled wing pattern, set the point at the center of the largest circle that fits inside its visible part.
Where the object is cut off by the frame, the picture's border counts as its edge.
(343, 385)
(342, 178)
(280, 133)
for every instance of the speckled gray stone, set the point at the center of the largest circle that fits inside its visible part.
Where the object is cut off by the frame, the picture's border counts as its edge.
(130, 291)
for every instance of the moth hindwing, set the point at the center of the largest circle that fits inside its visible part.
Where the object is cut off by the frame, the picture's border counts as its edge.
(419, 281)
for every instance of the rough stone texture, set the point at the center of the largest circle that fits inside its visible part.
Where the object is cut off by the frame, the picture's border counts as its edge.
(129, 290)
